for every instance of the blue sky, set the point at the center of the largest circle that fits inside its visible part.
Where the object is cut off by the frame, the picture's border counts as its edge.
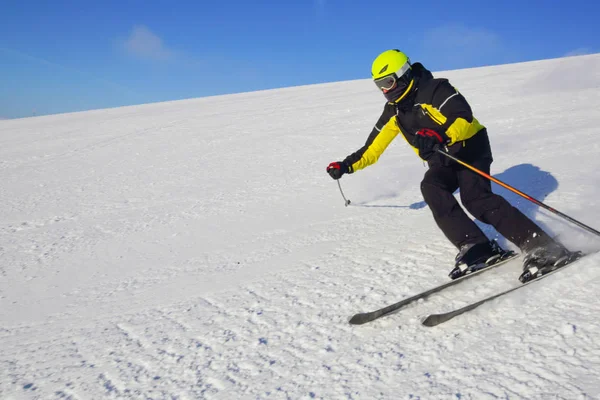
(61, 56)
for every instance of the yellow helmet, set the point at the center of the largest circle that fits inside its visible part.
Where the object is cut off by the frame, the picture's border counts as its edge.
(392, 73)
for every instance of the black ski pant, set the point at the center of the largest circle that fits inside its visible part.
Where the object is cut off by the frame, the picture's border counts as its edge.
(444, 178)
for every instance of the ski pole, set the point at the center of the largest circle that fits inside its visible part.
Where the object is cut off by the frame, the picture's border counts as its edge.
(346, 201)
(526, 196)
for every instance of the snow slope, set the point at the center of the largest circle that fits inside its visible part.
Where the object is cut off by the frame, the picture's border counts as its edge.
(198, 250)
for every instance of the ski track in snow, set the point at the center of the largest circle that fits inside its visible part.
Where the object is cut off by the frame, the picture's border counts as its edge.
(170, 251)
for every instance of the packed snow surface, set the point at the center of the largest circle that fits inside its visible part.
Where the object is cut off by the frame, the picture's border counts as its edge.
(198, 250)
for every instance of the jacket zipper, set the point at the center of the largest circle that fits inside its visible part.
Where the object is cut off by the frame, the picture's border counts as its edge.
(432, 117)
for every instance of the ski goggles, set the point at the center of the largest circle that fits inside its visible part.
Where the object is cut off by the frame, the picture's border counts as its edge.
(399, 78)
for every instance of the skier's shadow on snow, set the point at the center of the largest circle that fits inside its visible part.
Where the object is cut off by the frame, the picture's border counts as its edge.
(528, 179)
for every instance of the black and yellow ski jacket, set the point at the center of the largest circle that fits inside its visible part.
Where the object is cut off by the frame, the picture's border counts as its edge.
(435, 104)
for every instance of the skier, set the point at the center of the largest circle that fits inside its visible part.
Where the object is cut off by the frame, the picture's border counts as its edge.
(430, 113)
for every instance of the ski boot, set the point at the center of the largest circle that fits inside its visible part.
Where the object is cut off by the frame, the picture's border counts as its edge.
(474, 257)
(543, 260)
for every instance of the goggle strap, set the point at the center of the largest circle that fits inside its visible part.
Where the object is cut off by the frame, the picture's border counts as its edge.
(403, 69)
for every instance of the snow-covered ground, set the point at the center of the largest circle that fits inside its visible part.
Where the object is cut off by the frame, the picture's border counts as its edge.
(198, 250)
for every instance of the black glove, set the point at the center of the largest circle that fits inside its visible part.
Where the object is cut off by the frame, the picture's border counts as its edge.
(337, 169)
(427, 140)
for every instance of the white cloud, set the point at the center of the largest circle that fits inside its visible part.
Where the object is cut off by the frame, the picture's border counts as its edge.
(459, 46)
(143, 43)
(460, 36)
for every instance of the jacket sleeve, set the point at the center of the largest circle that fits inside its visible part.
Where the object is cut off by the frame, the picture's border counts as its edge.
(451, 110)
(384, 131)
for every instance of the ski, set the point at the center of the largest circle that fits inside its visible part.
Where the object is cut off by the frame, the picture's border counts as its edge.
(437, 319)
(363, 318)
